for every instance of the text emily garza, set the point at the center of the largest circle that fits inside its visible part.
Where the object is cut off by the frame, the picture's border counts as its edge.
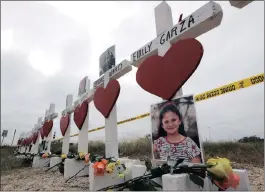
(168, 35)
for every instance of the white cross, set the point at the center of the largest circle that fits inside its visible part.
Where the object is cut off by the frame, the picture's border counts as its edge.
(83, 93)
(49, 115)
(67, 110)
(111, 128)
(37, 127)
(22, 136)
(201, 21)
(111, 142)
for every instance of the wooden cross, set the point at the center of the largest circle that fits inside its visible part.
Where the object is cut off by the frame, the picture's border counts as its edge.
(83, 93)
(23, 136)
(201, 21)
(67, 110)
(111, 129)
(37, 127)
(49, 115)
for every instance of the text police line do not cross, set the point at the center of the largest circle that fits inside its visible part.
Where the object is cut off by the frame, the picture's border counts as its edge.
(201, 21)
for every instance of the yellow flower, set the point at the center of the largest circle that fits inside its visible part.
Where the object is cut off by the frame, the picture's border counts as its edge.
(121, 175)
(111, 165)
(81, 155)
(118, 162)
(63, 156)
(109, 170)
(221, 168)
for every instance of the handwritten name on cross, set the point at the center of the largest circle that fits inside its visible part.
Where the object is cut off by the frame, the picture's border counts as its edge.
(114, 73)
(111, 129)
(201, 21)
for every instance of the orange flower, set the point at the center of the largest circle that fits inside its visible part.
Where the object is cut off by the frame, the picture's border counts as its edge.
(232, 181)
(221, 185)
(104, 161)
(95, 165)
(99, 168)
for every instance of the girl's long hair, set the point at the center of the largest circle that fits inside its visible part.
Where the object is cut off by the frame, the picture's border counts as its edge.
(169, 107)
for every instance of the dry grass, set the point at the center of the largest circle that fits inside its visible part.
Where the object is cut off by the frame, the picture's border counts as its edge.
(8, 161)
(247, 153)
(250, 153)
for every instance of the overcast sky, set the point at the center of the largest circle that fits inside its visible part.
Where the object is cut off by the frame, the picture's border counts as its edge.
(48, 47)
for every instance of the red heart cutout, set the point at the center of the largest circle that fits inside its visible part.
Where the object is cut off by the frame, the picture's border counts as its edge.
(47, 127)
(64, 122)
(80, 114)
(35, 137)
(27, 141)
(41, 132)
(164, 76)
(105, 99)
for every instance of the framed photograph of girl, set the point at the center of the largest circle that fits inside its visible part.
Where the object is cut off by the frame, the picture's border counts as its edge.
(175, 132)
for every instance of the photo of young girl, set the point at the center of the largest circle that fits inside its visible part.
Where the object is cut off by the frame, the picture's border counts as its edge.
(174, 131)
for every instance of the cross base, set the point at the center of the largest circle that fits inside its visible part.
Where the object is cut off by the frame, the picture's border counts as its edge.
(55, 160)
(72, 166)
(39, 162)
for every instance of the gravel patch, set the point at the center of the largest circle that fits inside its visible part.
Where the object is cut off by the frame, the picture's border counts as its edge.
(29, 179)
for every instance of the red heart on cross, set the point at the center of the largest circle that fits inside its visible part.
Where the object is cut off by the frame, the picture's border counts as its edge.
(164, 76)
(30, 139)
(35, 137)
(47, 127)
(64, 122)
(105, 99)
(41, 132)
(80, 114)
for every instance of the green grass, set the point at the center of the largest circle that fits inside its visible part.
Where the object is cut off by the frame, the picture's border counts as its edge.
(249, 153)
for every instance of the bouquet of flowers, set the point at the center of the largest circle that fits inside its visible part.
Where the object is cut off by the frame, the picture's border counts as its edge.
(108, 165)
(218, 170)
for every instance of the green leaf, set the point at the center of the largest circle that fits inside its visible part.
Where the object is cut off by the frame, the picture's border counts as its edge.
(142, 185)
(155, 184)
(197, 180)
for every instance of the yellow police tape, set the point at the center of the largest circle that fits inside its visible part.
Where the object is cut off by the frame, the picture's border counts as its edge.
(254, 80)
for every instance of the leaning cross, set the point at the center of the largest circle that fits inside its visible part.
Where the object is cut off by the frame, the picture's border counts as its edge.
(201, 21)
(49, 115)
(111, 129)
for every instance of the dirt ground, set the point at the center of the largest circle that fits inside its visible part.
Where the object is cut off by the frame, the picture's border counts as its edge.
(29, 179)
